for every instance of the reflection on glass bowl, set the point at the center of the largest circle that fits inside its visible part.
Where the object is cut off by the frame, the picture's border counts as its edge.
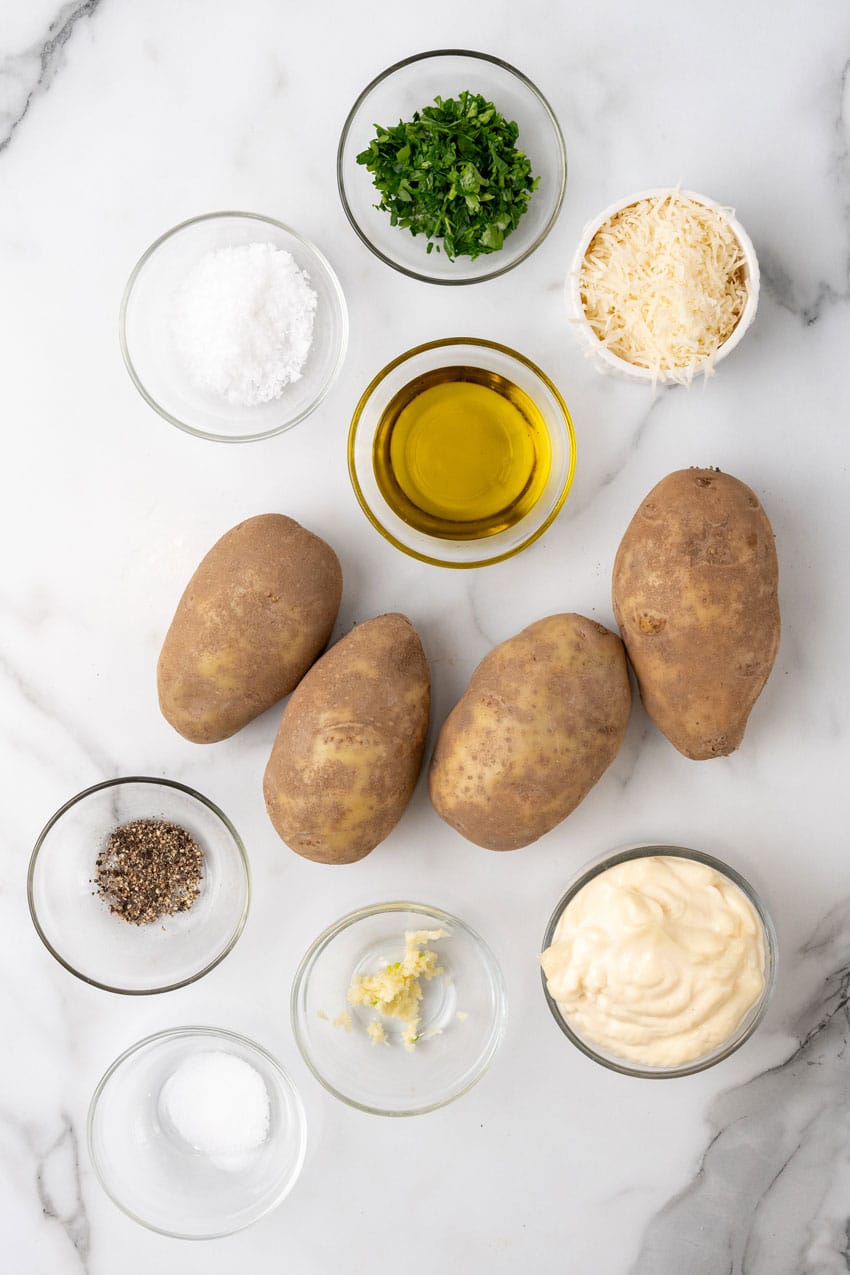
(471, 357)
(409, 86)
(147, 335)
(75, 923)
(463, 1012)
(155, 1176)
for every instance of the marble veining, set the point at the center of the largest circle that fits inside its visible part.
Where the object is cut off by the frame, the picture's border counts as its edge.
(60, 1191)
(24, 75)
(777, 278)
(779, 1145)
(119, 119)
(44, 710)
(654, 400)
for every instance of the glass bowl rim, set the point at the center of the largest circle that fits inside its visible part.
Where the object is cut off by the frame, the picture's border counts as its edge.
(447, 919)
(148, 397)
(216, 1033)
(443, 342)
(771, 960)
(590, 342)
(160, 783)
(535, 92)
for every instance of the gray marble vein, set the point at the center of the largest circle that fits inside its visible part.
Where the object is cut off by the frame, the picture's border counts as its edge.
(60, 1192)
(772, 1194)
(51, 1156)
(26, 74)
(776, 278)
(47, 710)
(636, 436)
(171, 109)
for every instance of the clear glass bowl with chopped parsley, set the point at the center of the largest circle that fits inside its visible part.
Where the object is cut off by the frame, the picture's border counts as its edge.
(451, 166)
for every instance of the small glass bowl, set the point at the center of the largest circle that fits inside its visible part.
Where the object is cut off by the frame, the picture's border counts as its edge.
(75, 924)
(409, 86)
(162, 1182)
(747, 1025)
(466, 352)
(463, 1012)
(601, 357)
(148, 347)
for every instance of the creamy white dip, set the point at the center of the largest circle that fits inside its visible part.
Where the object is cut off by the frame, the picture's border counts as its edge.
(657, 960)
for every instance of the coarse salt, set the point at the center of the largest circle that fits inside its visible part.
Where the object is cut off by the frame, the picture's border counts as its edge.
(243, 322)
(218, 1104)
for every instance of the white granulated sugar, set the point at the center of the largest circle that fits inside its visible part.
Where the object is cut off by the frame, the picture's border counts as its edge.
(243, 322)
(218, 1103)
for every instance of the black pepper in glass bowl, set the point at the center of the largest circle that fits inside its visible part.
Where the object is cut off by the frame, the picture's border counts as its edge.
(139, 885)
(149, 868)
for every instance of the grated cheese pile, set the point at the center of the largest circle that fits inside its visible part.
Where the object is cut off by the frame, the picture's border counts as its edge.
(663, 285)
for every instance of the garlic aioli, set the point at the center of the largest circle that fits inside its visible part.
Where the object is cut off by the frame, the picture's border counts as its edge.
(657, 960)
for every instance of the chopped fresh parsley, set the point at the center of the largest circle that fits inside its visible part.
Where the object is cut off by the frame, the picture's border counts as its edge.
(453, 173)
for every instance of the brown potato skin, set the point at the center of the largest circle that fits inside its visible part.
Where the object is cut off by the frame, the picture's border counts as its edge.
(695, 595)
(543, 717)
(349, 749)
(256, 614)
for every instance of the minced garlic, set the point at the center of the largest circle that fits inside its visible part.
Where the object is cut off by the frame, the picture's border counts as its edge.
(396, 992)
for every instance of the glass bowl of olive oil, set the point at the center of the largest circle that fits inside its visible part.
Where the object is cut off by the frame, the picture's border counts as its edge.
(461, 452)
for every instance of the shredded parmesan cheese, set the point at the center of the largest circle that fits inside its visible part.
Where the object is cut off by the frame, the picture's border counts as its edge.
(664, 284)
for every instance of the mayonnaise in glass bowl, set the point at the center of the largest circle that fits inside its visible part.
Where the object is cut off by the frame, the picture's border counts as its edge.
(667, 966)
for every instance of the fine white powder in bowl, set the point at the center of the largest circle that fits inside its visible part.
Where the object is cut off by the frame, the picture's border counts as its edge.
(217, 1103)
(243, 322)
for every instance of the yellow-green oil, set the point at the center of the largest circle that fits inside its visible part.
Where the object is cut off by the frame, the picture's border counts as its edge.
(461, 453)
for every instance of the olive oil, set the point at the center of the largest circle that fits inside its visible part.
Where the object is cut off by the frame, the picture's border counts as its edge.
(461, 453)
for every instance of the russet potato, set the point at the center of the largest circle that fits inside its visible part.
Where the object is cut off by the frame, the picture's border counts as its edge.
(256, 614)
(349, 749)
(543, 717)
(695, 593)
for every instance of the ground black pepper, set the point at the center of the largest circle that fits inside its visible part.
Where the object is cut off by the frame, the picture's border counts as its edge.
(148, 869)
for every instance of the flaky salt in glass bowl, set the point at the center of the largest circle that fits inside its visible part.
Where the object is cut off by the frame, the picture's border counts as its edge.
(148, 1168)
(148, 341)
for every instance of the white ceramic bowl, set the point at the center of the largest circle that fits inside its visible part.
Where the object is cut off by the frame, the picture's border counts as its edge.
(602, 358)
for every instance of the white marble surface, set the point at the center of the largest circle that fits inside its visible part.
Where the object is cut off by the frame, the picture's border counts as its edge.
(118, 120)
